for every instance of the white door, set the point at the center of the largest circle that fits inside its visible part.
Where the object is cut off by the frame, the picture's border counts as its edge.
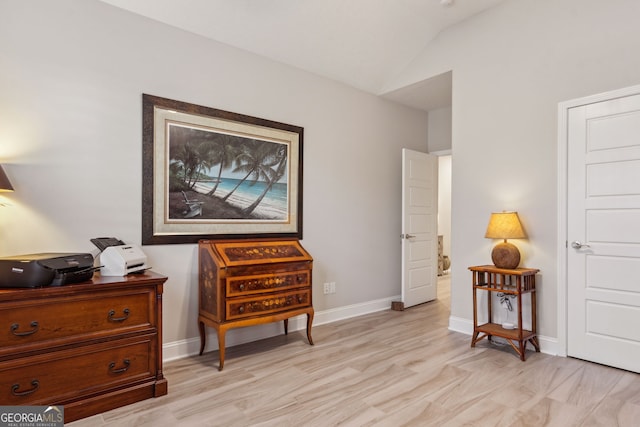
(419, 227)
(603, 232)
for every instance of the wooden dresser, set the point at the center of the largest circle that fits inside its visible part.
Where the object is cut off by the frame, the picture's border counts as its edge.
(91, 346)
(246, 283)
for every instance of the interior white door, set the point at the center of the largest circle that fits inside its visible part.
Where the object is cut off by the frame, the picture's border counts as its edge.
(419, 227)
(603, 230)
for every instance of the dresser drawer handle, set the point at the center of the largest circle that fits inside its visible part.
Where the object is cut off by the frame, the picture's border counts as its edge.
(241, 309)
(242, 287)
(16, 326)
(118, 319)
(112, 365)
(15, 387)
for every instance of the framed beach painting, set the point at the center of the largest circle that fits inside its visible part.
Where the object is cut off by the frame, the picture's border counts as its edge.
(209, 173)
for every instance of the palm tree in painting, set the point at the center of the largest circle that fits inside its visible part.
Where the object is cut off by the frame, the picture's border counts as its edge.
(190, 153)
(185, 162)
(277, 158)
(253, 161)
(203, 153)
(221, 152)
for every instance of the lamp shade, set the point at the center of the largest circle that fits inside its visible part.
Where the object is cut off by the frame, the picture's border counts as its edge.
(505, 225)
(5, 184)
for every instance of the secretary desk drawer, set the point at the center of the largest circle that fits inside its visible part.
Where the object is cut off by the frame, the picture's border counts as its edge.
(59, 320)
(53, 377)
(259, 283)
(238, 308)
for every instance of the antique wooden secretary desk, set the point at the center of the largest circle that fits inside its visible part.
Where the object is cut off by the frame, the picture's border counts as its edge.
(246, 283)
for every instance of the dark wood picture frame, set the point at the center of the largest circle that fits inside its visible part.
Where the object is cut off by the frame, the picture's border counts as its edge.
(214, 174)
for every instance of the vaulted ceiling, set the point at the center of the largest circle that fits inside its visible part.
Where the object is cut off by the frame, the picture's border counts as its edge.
(362, 43)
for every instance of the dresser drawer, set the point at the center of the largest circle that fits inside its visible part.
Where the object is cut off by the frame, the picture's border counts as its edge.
(68, 374)
(260, 283)
(42, 323)
(238, 308)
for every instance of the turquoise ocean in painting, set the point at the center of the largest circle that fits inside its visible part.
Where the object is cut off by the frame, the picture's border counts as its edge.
(274, 205)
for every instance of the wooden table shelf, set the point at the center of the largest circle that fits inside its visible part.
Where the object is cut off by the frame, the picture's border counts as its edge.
(517, 282)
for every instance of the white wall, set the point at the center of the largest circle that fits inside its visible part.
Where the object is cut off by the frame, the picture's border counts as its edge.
(71, 77)
(511, 67)
(439, 130)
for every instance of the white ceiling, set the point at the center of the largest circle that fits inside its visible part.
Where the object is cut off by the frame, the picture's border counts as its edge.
(362, 43)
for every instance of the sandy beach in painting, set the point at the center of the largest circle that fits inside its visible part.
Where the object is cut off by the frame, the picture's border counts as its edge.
(273, 208)
(265, 209)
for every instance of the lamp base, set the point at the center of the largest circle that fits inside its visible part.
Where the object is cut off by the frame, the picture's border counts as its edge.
(505, 255)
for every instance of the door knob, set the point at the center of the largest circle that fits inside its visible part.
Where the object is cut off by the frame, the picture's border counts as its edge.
(407, 236)
(577, 245)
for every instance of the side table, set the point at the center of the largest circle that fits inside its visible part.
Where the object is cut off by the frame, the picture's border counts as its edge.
(518, 281)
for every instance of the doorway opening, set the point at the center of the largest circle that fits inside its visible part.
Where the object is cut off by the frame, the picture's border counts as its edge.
(444, 222)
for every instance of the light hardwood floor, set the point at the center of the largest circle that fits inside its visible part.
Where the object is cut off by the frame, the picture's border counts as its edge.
(389, 368)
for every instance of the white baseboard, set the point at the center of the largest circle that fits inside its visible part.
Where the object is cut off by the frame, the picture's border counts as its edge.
(459, 324)
(191, 346)
(548, 345)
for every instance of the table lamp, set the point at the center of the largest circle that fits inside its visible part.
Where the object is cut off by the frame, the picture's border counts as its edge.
(505, 225)
(5, 184)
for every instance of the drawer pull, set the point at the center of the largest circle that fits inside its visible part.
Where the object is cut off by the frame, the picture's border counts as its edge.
(16, 326)
(241, 309)
(242, 287)
(118, 319)
(112, 366)
(15, 387)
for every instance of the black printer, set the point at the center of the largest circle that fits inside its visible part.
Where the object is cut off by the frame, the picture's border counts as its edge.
(45, 269)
